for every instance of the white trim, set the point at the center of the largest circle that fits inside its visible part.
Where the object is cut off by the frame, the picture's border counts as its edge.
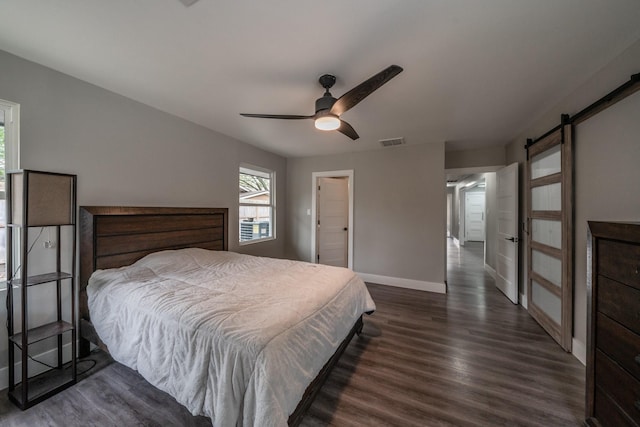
(314, 213)
(579, 350)
(492, 272)
(398, 282)
(50, 357)
(12, 134)
(251, 242)
(523, 301)
(250, 169)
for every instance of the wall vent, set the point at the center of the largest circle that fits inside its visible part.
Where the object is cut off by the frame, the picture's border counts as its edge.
(392, 141)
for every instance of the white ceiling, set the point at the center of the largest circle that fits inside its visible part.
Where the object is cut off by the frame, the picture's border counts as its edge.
(476, 72)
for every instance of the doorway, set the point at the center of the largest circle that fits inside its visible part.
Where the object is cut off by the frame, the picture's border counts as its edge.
(488, 232)
(332, 218)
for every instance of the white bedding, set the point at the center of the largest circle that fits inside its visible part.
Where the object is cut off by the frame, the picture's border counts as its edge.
(233, 337)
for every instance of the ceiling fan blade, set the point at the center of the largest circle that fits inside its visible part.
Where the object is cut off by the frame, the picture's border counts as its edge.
(276, 116)
(346, 129)
(364, 89)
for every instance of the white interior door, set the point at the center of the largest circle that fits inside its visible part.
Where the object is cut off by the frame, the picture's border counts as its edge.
(333, 221)
(474, 216)
(507, 256)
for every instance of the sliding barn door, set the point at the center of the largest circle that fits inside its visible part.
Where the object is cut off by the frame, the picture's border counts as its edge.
(550, 259)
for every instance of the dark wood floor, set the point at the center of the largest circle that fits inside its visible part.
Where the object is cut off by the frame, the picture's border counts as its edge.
(468, 358)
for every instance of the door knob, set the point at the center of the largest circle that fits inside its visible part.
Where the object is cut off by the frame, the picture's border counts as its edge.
(512, 239)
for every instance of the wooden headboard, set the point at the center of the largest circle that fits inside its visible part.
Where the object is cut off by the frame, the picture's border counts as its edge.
(115, 236)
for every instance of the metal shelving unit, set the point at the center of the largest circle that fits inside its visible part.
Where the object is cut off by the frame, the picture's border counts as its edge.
(39, 200)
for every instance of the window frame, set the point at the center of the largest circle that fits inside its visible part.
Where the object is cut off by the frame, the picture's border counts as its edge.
(250, 169)
(11, 124)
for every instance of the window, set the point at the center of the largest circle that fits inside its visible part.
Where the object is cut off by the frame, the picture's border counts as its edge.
(256, 204)
(9, 159)
(2, 199)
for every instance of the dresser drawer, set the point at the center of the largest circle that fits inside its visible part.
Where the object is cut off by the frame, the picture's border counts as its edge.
(619, 343)
(619, 385)
(608, 414)
(619, 261)
(619, 302)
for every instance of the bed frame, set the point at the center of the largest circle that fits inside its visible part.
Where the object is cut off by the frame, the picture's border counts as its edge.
(115, 236)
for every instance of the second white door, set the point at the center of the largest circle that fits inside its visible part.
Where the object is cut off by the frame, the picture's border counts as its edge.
(474, 216)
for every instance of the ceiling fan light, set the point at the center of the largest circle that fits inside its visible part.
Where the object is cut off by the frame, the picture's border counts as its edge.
(328, 122)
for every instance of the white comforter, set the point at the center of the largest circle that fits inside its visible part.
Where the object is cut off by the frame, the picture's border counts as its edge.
(234, 337)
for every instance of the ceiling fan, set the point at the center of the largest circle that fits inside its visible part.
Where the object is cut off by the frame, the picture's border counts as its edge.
(329, 109)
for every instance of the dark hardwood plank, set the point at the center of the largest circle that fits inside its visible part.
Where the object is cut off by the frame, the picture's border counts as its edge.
(118, 244)
(114, 225)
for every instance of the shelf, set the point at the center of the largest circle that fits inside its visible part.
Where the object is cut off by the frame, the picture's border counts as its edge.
(42, 278)
(37, 200)
(43, 386)
(43, 332)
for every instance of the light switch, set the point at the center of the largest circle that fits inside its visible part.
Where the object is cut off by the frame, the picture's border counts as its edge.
(309, 212)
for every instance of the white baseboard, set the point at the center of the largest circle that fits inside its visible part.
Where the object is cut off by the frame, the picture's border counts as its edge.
(419, 285)
(490, 270)
(50, 357)
(579, 350)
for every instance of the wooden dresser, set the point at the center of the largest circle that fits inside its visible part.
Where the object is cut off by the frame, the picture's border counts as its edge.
(613, 335)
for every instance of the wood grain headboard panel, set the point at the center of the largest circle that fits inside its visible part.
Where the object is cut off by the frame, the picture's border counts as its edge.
(115, 236)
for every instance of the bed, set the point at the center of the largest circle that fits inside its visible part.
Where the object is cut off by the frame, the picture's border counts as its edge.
(168, 300)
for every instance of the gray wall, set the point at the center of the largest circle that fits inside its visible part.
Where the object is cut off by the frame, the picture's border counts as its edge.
(488, 156)
(605, 165)
(607, 151)
(491, 209)
(451, 194)
(399, 209)
(126, 153)
(455, 213)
